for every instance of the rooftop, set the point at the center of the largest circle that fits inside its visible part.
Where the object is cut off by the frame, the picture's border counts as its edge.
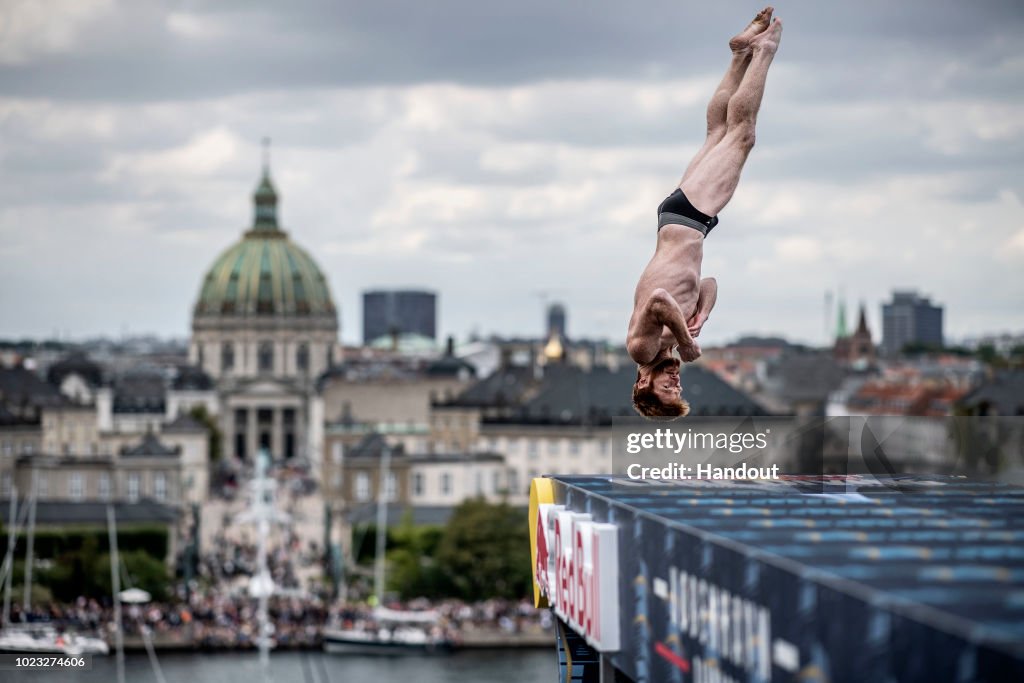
(566, 394)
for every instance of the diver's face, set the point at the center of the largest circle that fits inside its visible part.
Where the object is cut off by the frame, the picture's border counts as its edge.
(665, 381)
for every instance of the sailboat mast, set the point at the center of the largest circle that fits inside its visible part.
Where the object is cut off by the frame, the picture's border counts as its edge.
(27, 599)
(115, 584)
(12, 522)
(262, 514)
(382, 525)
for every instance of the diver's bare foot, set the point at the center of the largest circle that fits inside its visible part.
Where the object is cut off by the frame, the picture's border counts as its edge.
(690, 353)
(741, 43)
(769, 39)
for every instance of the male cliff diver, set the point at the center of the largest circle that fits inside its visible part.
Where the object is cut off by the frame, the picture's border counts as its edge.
(672, 302)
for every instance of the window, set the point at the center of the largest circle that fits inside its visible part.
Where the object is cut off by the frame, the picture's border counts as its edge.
(265, 357)
(574, 447)
(417, 484)
(479, 483)
(43, 485)
(513, 480)
(553, 447)
(302, 358)
(7, 448)
(75, 488)
(104, 486)
(227, 357)
(532, 448)
(28, 447)
(337, 452)
(446, 484)
(362, 486)
(133, 487)
(5, 485)
(496, 481)
(160, 486)
(391, 487)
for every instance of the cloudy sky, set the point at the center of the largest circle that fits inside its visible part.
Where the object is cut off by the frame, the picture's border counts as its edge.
(506, 154)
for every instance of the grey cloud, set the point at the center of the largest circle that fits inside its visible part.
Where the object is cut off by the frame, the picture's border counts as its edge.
(132, 54)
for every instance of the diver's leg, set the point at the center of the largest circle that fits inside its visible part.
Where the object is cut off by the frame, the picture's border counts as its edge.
(718, 106)
(710, 185)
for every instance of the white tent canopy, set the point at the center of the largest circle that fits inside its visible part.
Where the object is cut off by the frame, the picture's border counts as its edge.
(134, 596)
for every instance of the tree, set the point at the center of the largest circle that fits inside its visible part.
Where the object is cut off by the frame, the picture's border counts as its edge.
(412, 568)
(1016, 355)
(140, 571)
(485, 551)
(84, 572)
(215, 438)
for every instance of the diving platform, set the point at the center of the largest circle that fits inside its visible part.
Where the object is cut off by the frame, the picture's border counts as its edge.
(800, 578)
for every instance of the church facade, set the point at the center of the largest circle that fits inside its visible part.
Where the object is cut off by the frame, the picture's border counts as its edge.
(264, 327)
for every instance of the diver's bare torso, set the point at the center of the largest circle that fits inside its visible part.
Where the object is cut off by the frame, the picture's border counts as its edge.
(666, 305)
(675, 267)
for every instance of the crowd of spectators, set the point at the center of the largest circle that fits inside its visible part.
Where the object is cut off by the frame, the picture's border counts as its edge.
(211, 620)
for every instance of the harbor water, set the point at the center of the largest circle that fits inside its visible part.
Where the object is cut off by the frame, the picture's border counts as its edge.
(492, 666)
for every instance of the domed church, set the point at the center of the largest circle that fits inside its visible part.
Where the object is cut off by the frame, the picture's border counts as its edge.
(265, 327)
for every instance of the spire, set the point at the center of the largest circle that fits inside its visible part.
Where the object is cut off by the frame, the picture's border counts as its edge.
(265, 197)
(862, 324)
(841, 332)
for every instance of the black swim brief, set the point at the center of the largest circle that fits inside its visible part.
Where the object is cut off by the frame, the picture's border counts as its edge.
(677, 210)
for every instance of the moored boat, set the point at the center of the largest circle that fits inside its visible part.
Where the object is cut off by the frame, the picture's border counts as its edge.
(390, 632)
(45, 639)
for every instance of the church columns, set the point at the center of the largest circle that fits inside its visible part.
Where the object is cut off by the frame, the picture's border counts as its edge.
(252, 444)
(228, 427)
(277, 442)
(276, 423)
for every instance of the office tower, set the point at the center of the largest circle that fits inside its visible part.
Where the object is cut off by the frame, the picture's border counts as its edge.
(399, 312)
(910, 319)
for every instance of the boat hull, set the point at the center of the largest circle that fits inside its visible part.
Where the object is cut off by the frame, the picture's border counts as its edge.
(46, 642)
(343, 645)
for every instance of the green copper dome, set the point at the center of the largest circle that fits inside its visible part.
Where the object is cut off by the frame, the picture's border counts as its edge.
(265, 273)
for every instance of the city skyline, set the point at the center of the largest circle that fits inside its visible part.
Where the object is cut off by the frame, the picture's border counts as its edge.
(493, 155)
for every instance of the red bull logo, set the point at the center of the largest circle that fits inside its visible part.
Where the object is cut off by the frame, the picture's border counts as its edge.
(576, 570)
